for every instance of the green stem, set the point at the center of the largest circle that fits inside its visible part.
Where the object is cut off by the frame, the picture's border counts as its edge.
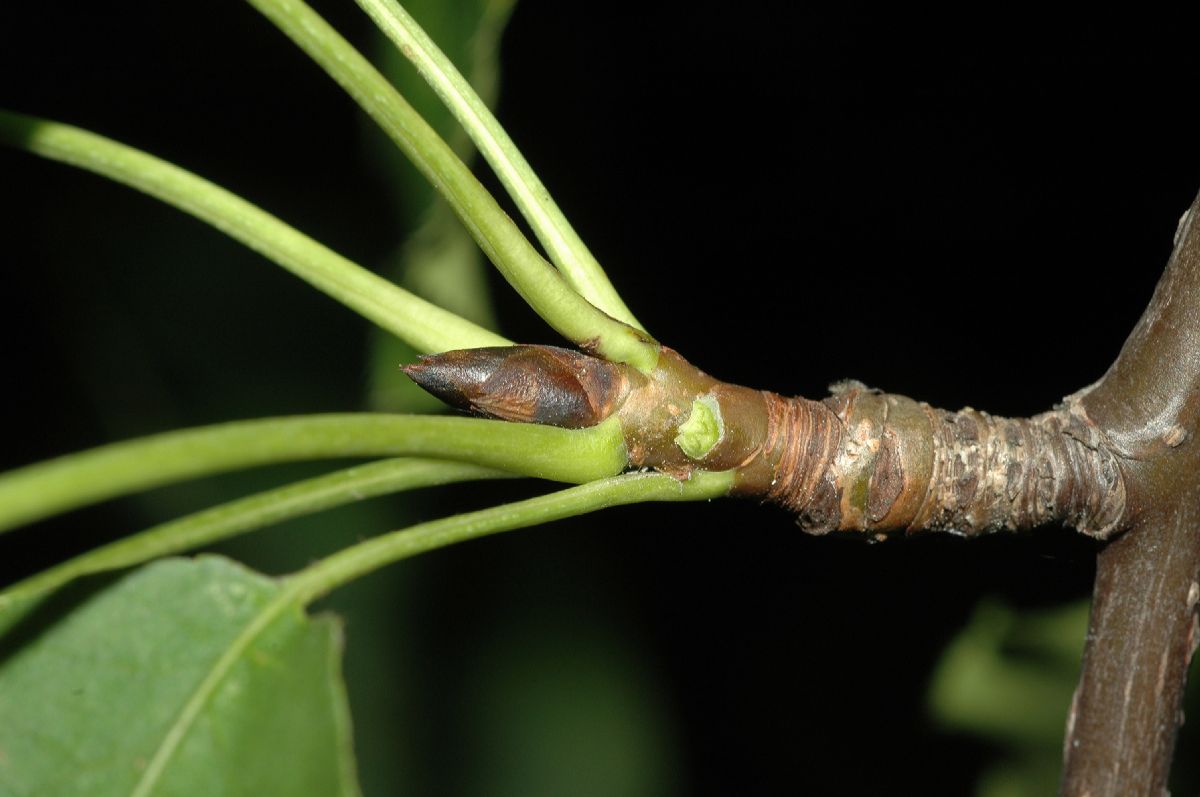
(248, 514)
(47, 488)
(358, 560)
(538, 283)
(560, 240)
(365, 557)
(425, 326)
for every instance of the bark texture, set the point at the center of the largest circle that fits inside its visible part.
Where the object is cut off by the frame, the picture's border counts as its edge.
(1118, 456)
(1143, 629)
(869, 461)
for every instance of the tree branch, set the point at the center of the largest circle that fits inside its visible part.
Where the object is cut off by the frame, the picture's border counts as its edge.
(1142, 631)
(1117, 456)
(860, 460)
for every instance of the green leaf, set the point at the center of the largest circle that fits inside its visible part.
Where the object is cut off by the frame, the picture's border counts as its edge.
(185, 677)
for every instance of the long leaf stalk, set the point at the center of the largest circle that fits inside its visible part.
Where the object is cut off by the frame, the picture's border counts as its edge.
(59, 485)
(564, 246)
(538, 283)
(366, 557)
(358, 560)
(249, 514)
(425, 326)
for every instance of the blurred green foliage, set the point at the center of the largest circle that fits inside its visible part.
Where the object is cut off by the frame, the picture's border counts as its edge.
(1008, 677)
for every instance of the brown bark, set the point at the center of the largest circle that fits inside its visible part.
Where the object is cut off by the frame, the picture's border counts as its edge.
(1119, 455)
(1142, 631)
(862, 460)
(868, 461)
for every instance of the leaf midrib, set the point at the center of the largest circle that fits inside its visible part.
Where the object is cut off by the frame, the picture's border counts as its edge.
(207, 688)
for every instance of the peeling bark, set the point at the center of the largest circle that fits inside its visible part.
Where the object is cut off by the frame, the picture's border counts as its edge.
(861, 460)
(875, 462)
(1118, 456)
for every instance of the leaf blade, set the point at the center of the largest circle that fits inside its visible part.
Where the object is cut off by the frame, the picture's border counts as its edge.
(181, 678)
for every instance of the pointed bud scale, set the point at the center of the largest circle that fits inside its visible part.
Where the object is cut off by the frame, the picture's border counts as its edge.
(526, 384)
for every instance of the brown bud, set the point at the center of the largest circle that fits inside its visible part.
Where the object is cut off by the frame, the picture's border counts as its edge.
(527, 384)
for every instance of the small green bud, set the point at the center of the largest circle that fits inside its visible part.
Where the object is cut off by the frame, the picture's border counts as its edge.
(703, 429)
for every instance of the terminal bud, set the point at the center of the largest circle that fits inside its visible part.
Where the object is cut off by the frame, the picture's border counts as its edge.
(527, 384)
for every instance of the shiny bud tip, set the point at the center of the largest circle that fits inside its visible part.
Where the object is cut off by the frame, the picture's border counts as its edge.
(527, 384)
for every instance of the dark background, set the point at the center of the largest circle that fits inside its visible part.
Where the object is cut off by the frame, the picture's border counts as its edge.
(965, 211)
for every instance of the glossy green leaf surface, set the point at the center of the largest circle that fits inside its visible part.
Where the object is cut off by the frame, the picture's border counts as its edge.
(186, 677)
